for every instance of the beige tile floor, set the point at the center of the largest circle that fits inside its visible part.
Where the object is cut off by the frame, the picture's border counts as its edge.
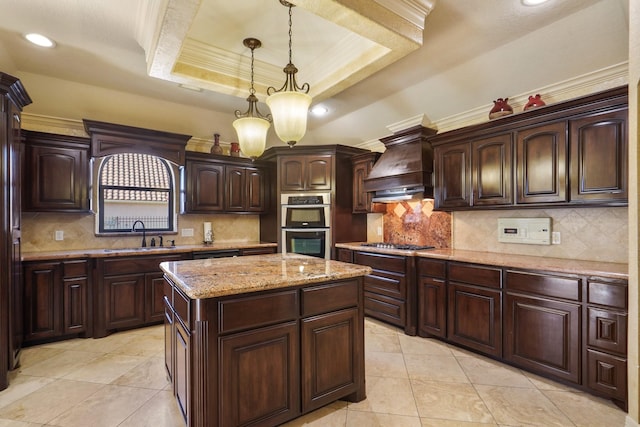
(120, 381)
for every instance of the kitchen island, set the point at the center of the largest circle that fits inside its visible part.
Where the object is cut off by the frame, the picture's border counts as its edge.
(260, 340)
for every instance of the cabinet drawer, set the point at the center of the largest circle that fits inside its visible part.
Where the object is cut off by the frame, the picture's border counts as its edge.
(546, 285)
(607, 330)
(136, 264)
(182, 308)
(393, 263)
(257, 311)
(386, 283)
(612, 294)
(329, 297)
(475, 275)
(75, 268)
(432, 268)
(607, 374)
(385, 308)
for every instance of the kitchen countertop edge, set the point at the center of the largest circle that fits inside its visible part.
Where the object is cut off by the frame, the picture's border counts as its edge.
(201, 279)
(117, 252)
(560, 265)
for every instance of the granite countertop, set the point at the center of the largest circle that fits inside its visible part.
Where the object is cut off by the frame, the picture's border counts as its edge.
(209, 278)
(116, 252)
(560, 265)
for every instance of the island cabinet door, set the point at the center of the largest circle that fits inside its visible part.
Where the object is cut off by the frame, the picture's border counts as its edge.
(259, 376)
(330, 365)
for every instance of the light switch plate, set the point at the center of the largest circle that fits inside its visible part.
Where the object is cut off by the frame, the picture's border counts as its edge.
(59, 235)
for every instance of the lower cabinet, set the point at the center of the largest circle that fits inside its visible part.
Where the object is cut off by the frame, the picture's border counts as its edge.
(432, 298)
(475, 307)
(300, 349)
(129, 292)
(389, 291)
(55, 299)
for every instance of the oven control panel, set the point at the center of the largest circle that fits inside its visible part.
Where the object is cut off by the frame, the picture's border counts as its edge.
(531, 231)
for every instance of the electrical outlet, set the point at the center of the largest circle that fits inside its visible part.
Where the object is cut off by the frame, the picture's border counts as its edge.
(59, 235)
(379, 231)
(187, 232)
(555, 238)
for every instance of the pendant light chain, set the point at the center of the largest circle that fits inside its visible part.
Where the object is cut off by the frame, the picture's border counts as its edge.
(290, 35)
(252, 91)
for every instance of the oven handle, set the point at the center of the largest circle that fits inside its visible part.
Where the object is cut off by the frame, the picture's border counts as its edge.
(306, 229)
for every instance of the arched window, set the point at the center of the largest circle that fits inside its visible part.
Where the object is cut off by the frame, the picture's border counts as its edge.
(135, 187)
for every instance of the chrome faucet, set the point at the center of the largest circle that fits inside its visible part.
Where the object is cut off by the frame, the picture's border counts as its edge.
(144, 235)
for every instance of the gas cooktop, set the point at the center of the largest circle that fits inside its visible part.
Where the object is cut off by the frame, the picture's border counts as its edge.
(400, 246)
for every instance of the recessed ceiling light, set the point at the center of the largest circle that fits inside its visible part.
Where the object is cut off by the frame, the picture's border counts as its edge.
(533, 2)
(319, 110)
(40, 40)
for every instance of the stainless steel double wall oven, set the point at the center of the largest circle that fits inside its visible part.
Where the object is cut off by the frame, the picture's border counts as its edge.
(306, 220)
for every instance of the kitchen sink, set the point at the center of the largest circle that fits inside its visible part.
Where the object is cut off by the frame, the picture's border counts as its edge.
(148, 248)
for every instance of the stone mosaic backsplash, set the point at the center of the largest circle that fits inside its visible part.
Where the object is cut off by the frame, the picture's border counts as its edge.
(415, 223)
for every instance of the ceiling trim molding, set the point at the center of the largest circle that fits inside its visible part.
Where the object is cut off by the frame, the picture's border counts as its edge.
(414, 11)
(599, 80)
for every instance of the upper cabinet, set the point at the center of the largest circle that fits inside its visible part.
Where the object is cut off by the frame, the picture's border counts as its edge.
(362, 165)
(305, 172)
(56, 173)
(219, 184)
(571, 153)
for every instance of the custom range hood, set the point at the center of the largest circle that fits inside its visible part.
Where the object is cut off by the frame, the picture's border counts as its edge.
(405, 170)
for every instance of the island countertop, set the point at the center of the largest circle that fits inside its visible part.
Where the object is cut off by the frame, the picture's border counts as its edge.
(210, 278)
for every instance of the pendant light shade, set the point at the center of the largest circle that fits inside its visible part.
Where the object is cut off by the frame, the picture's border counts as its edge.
(289, 105)
(252, 135)
(252, 126)
(289, 110)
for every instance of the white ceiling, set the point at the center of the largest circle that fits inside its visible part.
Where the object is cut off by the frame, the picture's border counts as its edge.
(470, 52)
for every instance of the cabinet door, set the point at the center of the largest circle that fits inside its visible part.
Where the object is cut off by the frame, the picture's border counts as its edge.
(235, 187)
(256, 190)
(361, 199)
(492, 179)
(330, 366)
(318, 172)
(541, 164)
(598, 164)
(182, 371)
(453, 176)
(75, 305)
(432, 306)
(475, 318)
(292, 173)
(205, 187)
(124, 301)
(154, 297)
(344, 255)
(56, 178)
(42, 300)
(259, 376)
(168, 340)
(543, 335)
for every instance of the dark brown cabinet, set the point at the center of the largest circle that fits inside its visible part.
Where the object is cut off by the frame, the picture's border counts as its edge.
(570, 153)
(13, 98)
(245, 189)
(606, 340)
(204, 187)
(453, 176)
(301, 349)
(389, 291)
(475, 307)
(215, 184)
(543, 323)
(598, 157)
(491, 171)
(541, 164)
(130, 292)
(56, 173)
(432, 298)
(305, 172)
(55, 299)
(362, 165)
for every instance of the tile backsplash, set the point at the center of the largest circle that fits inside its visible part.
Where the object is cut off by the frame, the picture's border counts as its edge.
(38, 231)
(594, 234)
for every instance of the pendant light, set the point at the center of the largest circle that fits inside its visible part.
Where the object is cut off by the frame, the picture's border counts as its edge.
(252, 126)
(289, 105)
